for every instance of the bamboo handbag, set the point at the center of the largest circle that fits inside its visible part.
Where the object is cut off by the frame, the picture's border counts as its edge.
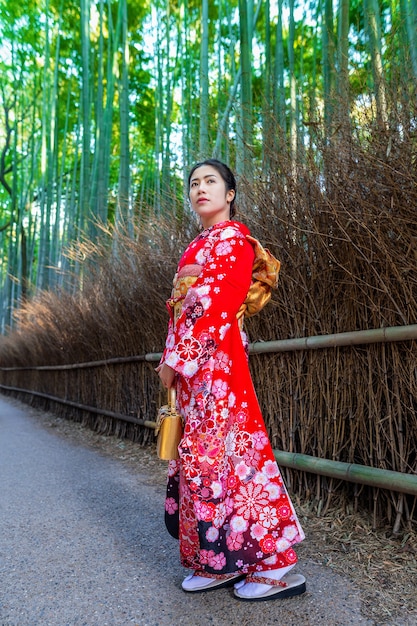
(169, 429)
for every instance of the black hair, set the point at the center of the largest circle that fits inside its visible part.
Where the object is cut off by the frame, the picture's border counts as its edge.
(226, 174)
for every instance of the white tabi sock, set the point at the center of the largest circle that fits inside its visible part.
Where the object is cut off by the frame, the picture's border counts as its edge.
(192, 582)
(251, 590)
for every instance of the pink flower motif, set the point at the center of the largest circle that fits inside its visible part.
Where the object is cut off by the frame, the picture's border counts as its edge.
(252, 457)
(257, 532)
(250, 500)
(205, 511)
(216, 488)
(241, 470)
(223, 248)
(218, 561)
(274, 491)
(171, 506)
(229, 503)
(205, 492)
(260, 440)
(222, 360)
(206, 556)
(270, 469)
(234, 541)
(219, 388)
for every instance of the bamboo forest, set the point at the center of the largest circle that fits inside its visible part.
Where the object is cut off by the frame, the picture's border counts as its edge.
(104, 107)
(105, 104)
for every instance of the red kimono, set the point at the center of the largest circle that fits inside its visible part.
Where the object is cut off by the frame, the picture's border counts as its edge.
(234, 512)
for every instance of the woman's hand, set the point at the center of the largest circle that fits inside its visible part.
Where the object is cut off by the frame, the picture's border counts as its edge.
(166, 374)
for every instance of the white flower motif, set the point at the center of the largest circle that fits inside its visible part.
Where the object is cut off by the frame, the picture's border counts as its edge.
(238, 524)
(251, 500)
(212, 534)
(260, 440)
(224, 413)
(172, 360)
(227, 233)
(290, 532)
(223, 330)
(217, 489)
(170, 342)
(268, 517)
(206, 302)
(190, 368)
(230, 444)
(282, 545)
(274, 491)
(260, 479)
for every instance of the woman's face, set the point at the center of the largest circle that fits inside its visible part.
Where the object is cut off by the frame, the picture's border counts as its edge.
(209, 197)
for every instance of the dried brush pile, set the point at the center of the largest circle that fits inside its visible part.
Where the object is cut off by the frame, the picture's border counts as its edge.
(347, 242)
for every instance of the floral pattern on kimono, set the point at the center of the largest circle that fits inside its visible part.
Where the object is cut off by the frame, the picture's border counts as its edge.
(234, 511)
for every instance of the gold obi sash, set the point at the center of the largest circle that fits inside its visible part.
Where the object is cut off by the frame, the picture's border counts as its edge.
(264, 278)
(183, 280)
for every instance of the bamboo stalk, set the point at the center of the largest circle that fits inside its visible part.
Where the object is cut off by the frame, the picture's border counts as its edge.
(373, 476)
(353, 338)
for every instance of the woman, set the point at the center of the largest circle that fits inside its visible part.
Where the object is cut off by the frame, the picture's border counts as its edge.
(237, 524)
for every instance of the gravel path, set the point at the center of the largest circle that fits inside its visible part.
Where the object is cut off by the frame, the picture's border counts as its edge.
(82, 542)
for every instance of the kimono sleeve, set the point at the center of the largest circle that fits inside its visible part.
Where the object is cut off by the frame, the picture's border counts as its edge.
(211, 304)
(169, 342)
